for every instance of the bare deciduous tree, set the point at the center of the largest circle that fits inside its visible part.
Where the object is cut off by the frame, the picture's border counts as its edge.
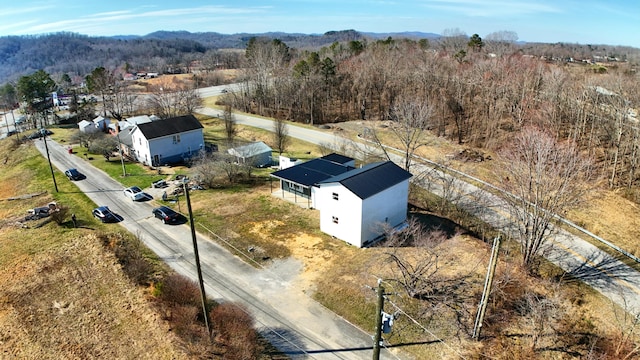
(227, 164)
(546, 178)
(230, 129)
(540, 313)
(411, 120)
(281, 135)
(204, 169)
(420, 275)
(170, 100)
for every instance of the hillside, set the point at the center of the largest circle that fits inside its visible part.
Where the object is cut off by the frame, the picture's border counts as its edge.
(62, 294)
(78, 54)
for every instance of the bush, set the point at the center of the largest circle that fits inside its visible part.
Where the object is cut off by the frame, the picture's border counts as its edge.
(233, 326)
(59, 214)
(178, 290)
(184, 321)
(130, 256)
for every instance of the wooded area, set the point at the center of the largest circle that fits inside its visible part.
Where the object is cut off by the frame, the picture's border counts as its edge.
(478, 92)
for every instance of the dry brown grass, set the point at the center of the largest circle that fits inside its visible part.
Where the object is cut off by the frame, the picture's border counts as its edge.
(74, 302)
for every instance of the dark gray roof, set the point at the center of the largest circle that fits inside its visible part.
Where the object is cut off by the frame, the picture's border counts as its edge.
(171, 126)
(249, 150)
(125, 138)
(311, 172)
(370, 179)
(337, 158)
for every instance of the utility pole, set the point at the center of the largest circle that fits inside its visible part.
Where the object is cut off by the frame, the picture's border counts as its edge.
(124, 171)
(205, 307)
(379, 308)
(43, 132)
(493, 261)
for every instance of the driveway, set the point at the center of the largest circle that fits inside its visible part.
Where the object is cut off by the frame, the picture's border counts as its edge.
(295, 323)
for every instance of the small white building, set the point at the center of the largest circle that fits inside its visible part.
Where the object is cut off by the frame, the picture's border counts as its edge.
(285, 162)
(355, 204)
(87, 127)
(102, 123)
(98, 124)
(256, 154)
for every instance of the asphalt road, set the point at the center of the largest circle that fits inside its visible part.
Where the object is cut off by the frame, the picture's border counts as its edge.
(579, 258)
(296, 324)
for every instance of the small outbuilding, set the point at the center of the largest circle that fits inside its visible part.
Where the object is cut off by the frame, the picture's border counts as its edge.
(256, 154)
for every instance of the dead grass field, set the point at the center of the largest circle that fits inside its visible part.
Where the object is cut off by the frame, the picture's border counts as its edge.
(73, 302)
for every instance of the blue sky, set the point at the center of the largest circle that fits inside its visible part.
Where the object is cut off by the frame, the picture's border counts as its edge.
(611, 22)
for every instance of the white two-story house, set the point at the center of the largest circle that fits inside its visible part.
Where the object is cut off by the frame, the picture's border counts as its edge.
(355, 204)
(167, 141)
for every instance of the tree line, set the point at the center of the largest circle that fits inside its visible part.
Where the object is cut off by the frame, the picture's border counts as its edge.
(479, 93)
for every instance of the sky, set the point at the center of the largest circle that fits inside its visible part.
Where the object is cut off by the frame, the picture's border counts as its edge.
(608, 22)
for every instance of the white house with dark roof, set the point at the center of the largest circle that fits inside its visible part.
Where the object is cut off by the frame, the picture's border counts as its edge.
(98, 124)
(167, 141)
(300, 179)
(354, 203)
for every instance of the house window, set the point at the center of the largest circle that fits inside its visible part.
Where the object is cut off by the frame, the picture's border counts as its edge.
(140, 141)
(334, 219)
(335, 196)
(176, 139)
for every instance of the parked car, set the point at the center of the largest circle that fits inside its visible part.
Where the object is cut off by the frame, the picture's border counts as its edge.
(166, 215)
(74, 174)
(104, 214)
(134, 193)
(38, 134)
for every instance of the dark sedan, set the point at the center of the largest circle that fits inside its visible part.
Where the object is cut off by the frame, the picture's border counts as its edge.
(104, 214)
(167, 215)
(73, 174)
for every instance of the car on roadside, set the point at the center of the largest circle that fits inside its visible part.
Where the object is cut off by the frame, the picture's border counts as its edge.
(39, 134)
(167, 215)
(74, 174)
(134, 193)
(104, 214)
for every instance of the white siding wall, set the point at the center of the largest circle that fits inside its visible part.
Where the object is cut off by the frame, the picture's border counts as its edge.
(389, 205)
(347, 210)
(165, 147)
(141, 147)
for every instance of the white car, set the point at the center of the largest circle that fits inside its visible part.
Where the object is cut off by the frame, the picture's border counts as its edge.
(134, 193)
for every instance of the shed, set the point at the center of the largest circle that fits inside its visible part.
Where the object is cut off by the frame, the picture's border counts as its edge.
(87, 127)
(256, 154)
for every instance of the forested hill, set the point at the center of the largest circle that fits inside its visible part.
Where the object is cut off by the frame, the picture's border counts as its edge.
(79, 54)
(166, 51)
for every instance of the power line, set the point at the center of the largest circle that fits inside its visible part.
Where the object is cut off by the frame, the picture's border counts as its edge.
(425, 329)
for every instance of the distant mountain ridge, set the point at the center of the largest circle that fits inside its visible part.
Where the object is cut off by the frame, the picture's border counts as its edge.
(67, 52)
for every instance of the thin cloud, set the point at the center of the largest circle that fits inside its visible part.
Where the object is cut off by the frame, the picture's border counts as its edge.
(491, 8)
(94, 21)
(10, 12)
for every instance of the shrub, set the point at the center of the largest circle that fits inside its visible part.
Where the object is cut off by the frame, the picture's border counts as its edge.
(233, 327)
(59, 214)
(178, 290)
(184, 321)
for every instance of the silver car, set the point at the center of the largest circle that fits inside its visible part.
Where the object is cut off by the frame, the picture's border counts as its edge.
(134, 193)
